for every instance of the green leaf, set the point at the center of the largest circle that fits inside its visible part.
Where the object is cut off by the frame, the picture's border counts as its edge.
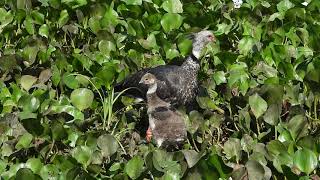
(5, 18)
(58, 131)
(185, 46)
(44, 30)
(272, 115)
(115, 166)
(172, 53)
(217, 162)
(24, 141)
(34, 164)
(108, 145)
(245, 45)
(133, 2)
(30, 54)
(37, 17)
(134, 167)
(74, 3)
(94, 24)
(82, 98)
(305, 160)
(82, 154)
(110, 18)
(298, 126)
(106, 46)
(255, 170)
(70, 81)
(3, 166)
(171, 21)
(63, 19)
(149, 43)
(192, 157)
(107, 78)
(232, 148)
(172, 6)
(24, 173)
(258, 105)
(223, 29)
(71, 110)
(49, 171)
(219, 77)
(29, 103)
(29, 25)
(284, 5)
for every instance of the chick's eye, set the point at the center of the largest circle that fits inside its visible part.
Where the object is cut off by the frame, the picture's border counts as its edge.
(209, 36)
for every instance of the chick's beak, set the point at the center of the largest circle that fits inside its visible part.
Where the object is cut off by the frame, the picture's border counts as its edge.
(141, 81)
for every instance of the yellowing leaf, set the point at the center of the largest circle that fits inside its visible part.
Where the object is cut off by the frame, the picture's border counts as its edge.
(27, 81)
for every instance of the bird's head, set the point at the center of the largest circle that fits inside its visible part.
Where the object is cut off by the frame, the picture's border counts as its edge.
(148, 79)
(203, 37)
(200, 40)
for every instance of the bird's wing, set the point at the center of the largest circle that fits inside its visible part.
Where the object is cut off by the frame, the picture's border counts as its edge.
(161, 113)
(166, 80)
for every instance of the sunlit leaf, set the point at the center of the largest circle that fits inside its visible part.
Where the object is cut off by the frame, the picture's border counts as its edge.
(172, 6)
(27, 81)
(258, 105)
(24, 141)
(134, 167)
(63, 19)
(44, 31)
(82, 98)
(82, 154)
(171, 21)
(305, 160)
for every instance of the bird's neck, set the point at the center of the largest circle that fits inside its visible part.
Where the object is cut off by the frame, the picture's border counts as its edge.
(152, 89)
(191, 63)
(151, 93)
(153, 99)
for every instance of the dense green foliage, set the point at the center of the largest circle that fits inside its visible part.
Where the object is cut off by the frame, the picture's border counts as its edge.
(259, 105)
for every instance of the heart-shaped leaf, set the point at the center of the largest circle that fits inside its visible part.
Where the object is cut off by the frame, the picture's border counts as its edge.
(258, 105)
(134, 167)
(108, 145)
(82, 98)
(192, 157)
(172, 6)
(24, 141)
(27, 81)
(63, 19)
(232, 148)
(44, 30)
(171, 21)
(82, 154)
(305, 160)
(133, 2)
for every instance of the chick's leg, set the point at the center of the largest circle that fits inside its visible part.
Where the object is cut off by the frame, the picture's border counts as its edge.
(149, 135)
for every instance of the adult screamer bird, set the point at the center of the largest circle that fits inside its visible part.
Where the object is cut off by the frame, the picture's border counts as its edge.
(177, 85)
(167, 124)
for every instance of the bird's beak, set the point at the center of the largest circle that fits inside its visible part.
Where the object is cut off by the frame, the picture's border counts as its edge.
(141, 81)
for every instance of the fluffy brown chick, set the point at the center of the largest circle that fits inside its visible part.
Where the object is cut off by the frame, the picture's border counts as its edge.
(167, 124)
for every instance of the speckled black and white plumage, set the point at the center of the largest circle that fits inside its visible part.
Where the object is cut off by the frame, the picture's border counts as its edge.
(167, 124)
(177, 85)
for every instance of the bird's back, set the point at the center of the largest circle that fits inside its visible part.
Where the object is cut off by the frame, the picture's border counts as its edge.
(169, 127)
(174, 84)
